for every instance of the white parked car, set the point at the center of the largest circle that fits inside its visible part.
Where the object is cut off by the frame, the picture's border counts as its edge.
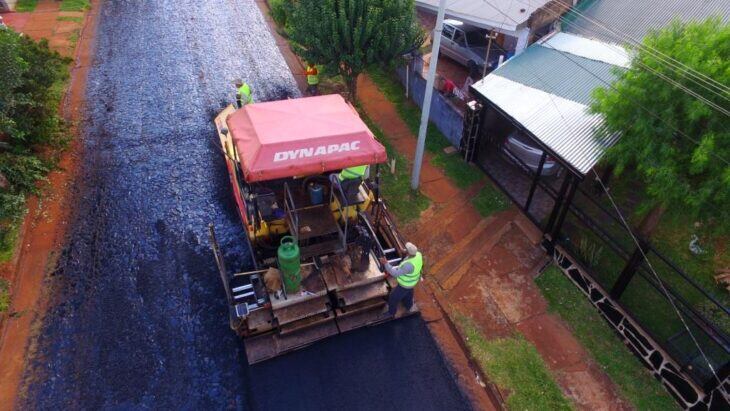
(467, 45)
(520, 146)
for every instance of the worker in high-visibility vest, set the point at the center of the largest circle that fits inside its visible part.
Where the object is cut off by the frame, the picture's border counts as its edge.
(243, 94)
(312, 79)
(407, 274)
(353, 172)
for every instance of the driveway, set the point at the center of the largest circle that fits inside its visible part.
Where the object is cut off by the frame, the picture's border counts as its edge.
(137, 315)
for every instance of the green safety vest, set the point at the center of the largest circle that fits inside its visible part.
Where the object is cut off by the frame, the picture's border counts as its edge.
(244, 94)
(353, 172)
(410, 280)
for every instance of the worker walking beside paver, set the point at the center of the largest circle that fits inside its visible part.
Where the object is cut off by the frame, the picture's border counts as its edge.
(407, 274)
(312, 79)
(243, 94)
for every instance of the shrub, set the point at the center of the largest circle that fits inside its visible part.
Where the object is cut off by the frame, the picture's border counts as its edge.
(280, 11)
(31, 86)
(29, 95)
(4, 295)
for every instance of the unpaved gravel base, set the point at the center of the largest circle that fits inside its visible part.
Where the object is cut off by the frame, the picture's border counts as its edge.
(137, 317)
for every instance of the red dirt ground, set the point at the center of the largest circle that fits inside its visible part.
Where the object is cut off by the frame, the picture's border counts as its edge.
(432, 312)
(45, 225)
(484, 268)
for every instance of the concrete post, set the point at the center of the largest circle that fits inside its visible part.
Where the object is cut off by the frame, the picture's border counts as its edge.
(426, 109)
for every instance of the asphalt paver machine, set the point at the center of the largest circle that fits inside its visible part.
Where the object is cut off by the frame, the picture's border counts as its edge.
(305, 177)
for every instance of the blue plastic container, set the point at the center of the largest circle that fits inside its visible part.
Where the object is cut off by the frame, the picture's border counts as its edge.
(316, 194)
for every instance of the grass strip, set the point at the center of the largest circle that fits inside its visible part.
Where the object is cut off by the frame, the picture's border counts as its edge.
(460, 172)
(75, 5)
(490, 200)
(9, 231)
(4, 295)
(70, 18)
(26, 5)
(74, 37)
(514, 364)
(405, 203)
(633, 380)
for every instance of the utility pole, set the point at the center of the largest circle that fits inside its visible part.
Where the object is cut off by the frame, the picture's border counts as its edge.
(429, 94)
(491, 37)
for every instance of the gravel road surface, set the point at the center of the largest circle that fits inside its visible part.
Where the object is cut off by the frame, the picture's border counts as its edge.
(137, 317)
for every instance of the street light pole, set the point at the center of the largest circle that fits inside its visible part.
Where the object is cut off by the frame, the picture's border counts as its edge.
(415, 177)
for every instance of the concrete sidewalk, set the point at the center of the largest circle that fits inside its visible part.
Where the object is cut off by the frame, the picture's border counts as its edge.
(484, 268)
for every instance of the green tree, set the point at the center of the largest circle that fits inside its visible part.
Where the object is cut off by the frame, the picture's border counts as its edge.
(677, 172)
(30, 92)
(346, 36)
(31, 81)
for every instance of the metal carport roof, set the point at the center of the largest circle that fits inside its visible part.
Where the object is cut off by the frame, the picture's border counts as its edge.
(488, 15)
(548, 91)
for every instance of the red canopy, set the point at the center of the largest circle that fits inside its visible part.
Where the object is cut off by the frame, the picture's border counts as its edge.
(301, 137)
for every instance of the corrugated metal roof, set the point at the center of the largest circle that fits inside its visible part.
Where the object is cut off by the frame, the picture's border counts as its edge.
(565, 126)
(589, 48)
(568, 76)
(636, 17)
(488, 15)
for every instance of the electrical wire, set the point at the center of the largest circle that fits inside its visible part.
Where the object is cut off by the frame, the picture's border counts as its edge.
(724, 94)
(659, 280)
(636, 241)
(668, 60)
(639, 105)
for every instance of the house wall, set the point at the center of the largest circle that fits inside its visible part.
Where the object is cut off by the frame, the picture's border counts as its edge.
(446, 118)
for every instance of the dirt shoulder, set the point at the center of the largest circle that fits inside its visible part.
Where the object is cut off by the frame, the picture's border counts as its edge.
(45, 225)
(484, 269)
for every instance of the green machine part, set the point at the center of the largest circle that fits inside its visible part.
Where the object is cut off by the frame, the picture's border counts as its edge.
(289, 264)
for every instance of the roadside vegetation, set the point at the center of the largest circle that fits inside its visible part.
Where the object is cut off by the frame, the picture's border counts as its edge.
(405, 203)
(330, 33)
(31, 130)
(70, 18)
(632, 378)
(459, 172)
(75, 5)
(514, 364)
(678, 153)
(26, 5)
(280, 10)
(672, 176)
(489, 200)
(4, 296)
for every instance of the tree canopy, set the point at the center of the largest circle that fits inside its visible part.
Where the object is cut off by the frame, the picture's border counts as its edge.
(31, 82)
(678, 145)
(29, 91)
(346, 36)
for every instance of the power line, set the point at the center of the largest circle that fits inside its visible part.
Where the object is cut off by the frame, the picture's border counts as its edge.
(659, 280)
(670, 61)
(724, 90)
(651, 113)
(655, 116)
(636, 241)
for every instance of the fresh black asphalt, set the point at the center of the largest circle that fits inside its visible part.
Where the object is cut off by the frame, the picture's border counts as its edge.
(137, 316)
